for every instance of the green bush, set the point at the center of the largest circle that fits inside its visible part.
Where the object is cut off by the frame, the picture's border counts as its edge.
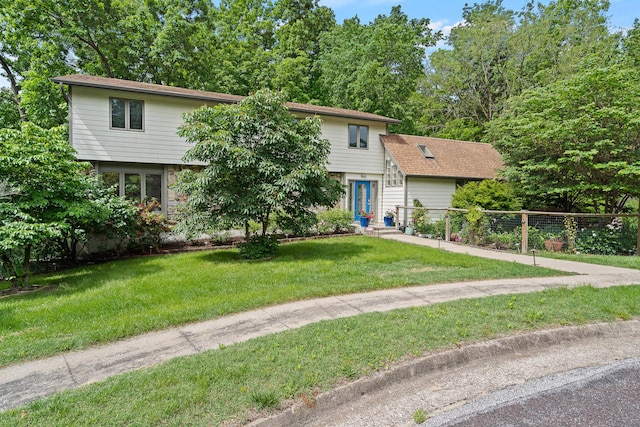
(259, 247)
(420, 218)
(489, 194)
(334, 221)
(617, 238)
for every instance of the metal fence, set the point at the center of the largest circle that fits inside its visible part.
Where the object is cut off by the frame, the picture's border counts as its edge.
(522, 231)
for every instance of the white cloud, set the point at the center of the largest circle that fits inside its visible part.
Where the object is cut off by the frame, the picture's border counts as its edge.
(442, 26)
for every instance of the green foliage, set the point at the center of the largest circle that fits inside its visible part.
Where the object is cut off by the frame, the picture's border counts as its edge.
(146, 232)
(374, 67)
(574, 142)
(420, 416)
(260, 160)
(477, 224)
(420, 218)
(259, 247)
(335, 221)
(50, 187)
(489, 194)
(616, 238)
(498, 53)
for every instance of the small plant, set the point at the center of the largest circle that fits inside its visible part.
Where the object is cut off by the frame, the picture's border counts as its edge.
(365, 214)
(390, 214)
(420, 416)
(264, 399)
(420, 218)
(477, 223)
(571, 230)
(259, 247)
(149, 226)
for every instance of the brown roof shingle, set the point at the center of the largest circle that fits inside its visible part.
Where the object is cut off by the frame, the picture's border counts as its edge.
(155, 89)
(451, 158)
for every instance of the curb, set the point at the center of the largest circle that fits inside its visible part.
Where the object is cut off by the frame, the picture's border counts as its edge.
(512, 345)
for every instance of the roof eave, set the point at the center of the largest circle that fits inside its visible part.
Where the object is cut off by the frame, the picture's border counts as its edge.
(227, 99)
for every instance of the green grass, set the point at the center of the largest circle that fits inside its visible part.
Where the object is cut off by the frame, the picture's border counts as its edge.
(102, 303)
(230, 385)
(624, 261)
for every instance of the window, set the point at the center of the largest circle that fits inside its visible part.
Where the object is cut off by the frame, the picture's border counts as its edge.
(127, 114)
(136, 187)
(358, 136)
(426, 152)
(394, 177)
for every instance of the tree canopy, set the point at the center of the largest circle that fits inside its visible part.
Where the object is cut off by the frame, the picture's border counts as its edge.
(260, 161)
(575, 143)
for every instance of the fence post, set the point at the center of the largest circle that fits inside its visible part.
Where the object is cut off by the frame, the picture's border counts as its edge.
(447, 232)
(397, 217)
(525, 233)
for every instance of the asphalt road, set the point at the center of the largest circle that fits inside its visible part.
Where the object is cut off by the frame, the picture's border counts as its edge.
(605, 396)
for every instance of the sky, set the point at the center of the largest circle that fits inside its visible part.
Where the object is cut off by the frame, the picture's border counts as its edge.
(444, 14)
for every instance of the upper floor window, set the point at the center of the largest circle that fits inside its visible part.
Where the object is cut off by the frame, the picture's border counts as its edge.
(358, 136)
(127, 114)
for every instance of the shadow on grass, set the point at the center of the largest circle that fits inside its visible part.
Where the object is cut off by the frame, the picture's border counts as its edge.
(77, 280)
(307, 251)
(72, 281)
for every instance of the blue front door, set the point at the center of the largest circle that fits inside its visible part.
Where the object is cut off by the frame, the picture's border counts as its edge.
(362, 198)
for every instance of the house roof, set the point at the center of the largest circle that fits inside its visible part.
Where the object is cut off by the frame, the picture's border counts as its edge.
(155, 89)
(450, 158)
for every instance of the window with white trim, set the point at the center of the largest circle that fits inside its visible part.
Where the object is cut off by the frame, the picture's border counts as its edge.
(127, 114)
(358, 136)
(394, 176)
(137, 187)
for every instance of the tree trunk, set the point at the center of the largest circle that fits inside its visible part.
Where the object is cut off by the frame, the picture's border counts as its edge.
(26, 264)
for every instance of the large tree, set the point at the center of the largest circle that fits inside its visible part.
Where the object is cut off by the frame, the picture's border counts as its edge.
(260, 160)
(497, 53)
(48, 202)
(375, 67)
(575, 143)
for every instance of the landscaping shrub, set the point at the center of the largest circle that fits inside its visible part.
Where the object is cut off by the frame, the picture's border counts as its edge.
(420, 218)
(334, 221)
(259, 247)
(148, 228)
(616, 238)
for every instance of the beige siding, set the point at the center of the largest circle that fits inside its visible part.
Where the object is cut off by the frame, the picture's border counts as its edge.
(432, 193)
(392, 197)
(353, 160)
(157, 143)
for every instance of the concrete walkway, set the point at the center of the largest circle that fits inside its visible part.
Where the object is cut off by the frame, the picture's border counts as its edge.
(25, 382)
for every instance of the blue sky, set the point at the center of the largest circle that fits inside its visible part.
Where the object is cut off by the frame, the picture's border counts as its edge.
(443, 14)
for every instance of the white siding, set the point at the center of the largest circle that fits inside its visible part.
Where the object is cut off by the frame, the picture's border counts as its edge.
(392, 197)
(432, 193)
(354, 160)
(157, 143)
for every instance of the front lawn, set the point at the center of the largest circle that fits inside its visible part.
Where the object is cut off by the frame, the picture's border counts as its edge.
(107, 302)
(227, 386)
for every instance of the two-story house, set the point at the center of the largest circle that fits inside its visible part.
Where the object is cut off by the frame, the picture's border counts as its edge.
(128, 131)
